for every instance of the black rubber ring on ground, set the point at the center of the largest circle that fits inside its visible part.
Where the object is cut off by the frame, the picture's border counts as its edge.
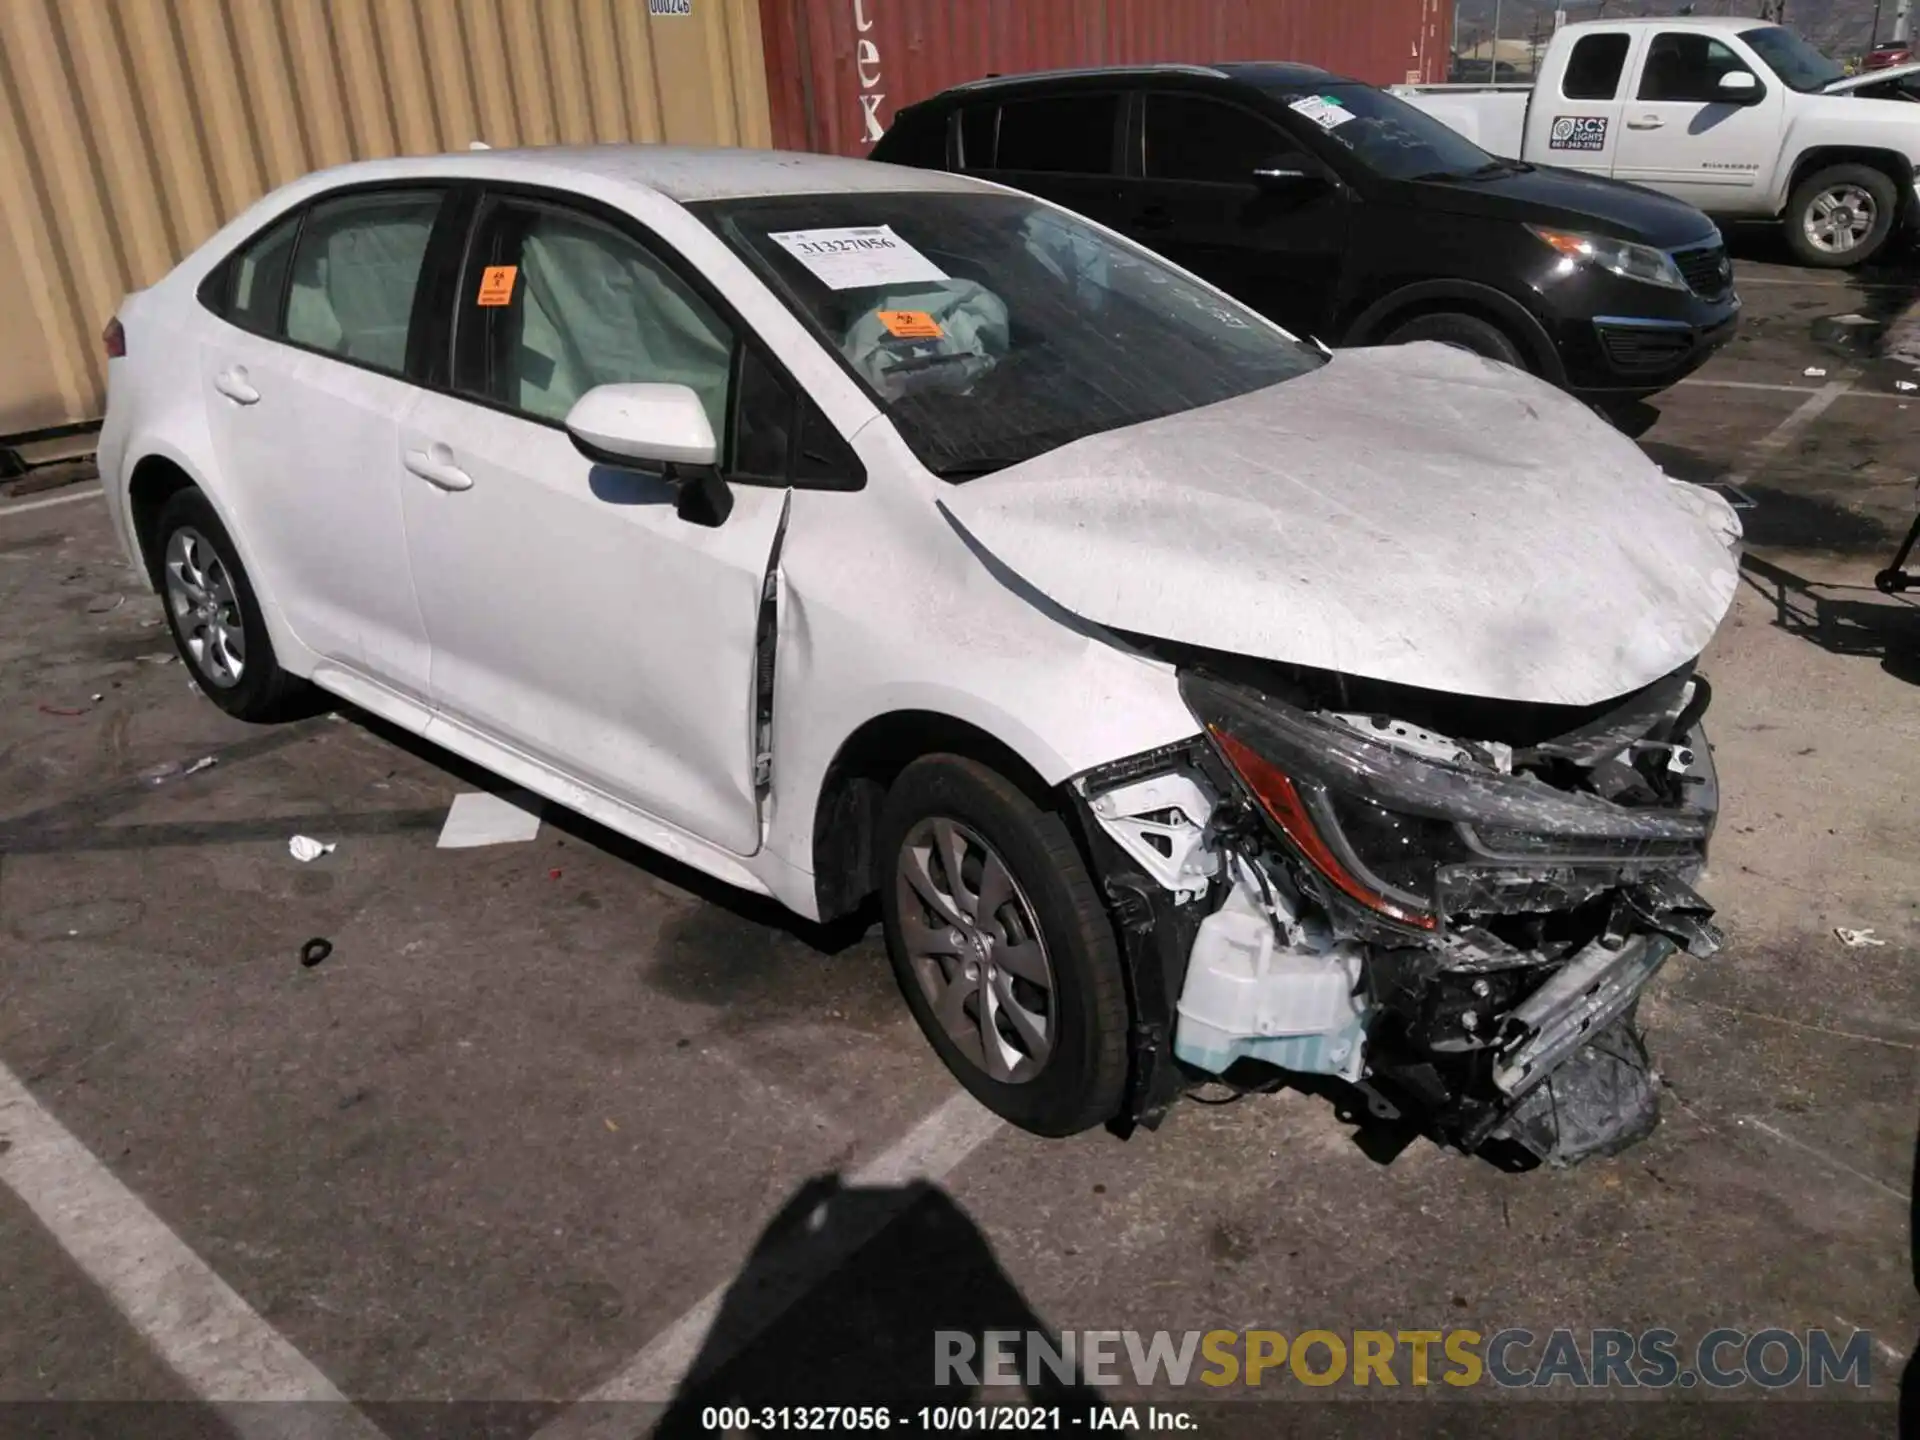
(314, 951)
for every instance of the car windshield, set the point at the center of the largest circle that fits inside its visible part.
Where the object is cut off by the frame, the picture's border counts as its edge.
(992, 328)
(1388, 136)
(1797, 63)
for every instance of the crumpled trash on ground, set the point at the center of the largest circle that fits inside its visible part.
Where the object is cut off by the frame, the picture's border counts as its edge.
(305, 848)
(1856, 939)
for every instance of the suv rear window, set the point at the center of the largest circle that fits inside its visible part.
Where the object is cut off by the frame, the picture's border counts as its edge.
(1067, 134)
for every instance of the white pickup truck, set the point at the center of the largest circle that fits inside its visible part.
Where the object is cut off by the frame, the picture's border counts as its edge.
(1740, 118)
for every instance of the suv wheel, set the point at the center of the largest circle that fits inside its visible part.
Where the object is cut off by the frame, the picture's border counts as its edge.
(1463, 332)
(1002, 946)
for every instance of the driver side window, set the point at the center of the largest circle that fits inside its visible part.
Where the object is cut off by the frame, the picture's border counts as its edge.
(1190, 137)
(1686, 67)
(555, 303)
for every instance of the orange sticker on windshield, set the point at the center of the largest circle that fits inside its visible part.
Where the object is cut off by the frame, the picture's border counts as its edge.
(496, 284)
(910, 324)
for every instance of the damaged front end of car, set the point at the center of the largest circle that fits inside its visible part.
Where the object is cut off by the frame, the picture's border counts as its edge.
(1451, 904)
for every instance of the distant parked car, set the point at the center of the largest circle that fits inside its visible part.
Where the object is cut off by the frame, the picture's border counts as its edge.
(1882, 57)
(1474, 72)
(1350, 216)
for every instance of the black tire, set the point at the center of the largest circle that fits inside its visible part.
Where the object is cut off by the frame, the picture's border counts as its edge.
(1083, 1077)
(1886, 202)
(262, 691)
(1463, 332)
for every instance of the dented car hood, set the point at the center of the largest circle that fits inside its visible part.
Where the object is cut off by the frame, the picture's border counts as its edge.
(1411, 514)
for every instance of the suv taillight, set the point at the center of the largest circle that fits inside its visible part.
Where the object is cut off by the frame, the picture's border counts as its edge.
(115, 339)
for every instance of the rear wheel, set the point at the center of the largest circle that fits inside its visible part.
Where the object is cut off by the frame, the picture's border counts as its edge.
(1002, 946)
(1463, 332)
(215, 616)
(1841, 216)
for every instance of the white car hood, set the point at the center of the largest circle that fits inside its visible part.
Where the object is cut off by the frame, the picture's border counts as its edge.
(1415, 515)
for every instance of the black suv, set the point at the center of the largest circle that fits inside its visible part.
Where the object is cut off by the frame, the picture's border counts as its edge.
(1347, 215)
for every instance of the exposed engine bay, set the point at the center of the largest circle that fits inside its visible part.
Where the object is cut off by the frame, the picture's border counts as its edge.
(1452, 904)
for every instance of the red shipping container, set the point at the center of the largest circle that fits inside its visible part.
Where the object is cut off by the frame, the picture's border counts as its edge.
(837, 70)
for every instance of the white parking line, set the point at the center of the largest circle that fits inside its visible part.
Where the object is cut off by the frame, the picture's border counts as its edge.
(928, 1152)
(1797, 389)
(1817, 403)
(49, 503)
(216, 1342)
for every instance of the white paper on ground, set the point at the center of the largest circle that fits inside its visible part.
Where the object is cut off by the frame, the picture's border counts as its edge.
(476, 818)
(852, 257)
(304, 848)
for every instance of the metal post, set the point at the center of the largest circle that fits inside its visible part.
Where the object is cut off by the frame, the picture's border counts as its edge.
(1900, 22)
(1493, 51)
(1874, 38)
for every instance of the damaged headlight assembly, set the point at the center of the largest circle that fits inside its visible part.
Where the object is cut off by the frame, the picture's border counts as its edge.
(1465, 925)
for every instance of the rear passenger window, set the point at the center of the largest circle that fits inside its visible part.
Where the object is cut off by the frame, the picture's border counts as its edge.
(1594, 67)
(1070, 135)
(978, 125)
(1190, 137)
(354, 274)
(260, 279)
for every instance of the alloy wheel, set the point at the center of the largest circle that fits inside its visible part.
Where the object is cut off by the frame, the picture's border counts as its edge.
(1840, 219)
(205, 608)
(976, 951)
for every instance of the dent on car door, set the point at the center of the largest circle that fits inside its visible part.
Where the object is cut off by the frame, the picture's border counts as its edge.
(305, 389)
(573, 615)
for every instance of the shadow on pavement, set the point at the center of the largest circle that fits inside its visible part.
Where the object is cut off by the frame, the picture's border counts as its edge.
(840, 1304)
(1884, 628)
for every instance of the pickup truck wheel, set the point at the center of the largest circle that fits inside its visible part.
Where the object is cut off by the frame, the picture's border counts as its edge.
(1463, 332)
(1002, 946)
(1841, 216)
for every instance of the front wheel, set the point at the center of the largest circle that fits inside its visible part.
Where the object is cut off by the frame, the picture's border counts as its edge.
(1841, 216)
(1002, 946)
(1463, 332)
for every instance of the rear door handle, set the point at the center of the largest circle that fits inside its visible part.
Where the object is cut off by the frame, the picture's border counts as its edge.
(435, 466)
(232, 383)
(1646, 122)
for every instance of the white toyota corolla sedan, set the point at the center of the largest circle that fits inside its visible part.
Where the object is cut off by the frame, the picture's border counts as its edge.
(1197, 706)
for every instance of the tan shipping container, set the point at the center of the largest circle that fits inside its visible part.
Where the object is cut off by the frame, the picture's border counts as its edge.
(130, 130)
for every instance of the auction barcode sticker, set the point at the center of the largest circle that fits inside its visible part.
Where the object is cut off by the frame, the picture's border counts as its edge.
(855, 256)
(1325, 111)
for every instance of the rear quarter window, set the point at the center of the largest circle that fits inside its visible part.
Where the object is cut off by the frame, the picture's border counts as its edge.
(919, 140)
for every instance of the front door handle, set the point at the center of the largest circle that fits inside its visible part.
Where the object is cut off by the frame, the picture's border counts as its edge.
(232, 383)
(1646, 122)
(435, 465)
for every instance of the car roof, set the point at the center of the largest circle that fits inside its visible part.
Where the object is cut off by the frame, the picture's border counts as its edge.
(1725, 23)
(1256, 71)
(682, 173)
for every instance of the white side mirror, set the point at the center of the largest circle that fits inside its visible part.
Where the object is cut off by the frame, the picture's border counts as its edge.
(1737, 83)
(665, 424)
